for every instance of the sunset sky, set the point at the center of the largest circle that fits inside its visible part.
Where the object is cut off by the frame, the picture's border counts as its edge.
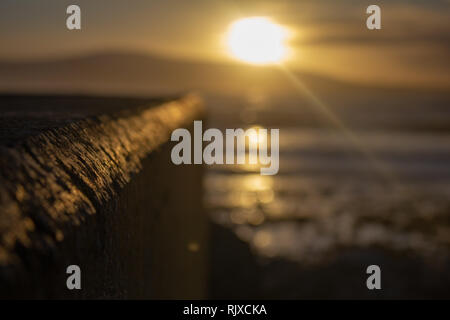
(327, 36)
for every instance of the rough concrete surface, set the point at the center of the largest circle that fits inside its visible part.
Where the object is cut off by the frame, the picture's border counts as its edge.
(89, 181)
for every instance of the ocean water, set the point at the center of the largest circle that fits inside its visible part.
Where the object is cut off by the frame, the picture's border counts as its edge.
(335, 192)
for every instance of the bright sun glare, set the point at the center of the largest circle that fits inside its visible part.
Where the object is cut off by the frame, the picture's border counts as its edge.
(257, 40)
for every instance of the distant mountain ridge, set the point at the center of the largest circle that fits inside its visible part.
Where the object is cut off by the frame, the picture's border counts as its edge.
(122, 73)
(266, 95)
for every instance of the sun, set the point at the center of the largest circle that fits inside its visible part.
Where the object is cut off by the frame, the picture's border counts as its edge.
(257, 40)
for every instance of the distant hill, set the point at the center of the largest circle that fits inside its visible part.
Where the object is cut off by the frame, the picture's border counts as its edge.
(263, 94)
(147, 74)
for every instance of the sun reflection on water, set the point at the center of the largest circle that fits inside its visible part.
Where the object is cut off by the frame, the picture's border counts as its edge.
(305, 220)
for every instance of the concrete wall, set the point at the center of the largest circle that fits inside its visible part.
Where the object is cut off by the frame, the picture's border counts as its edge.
(101, 192)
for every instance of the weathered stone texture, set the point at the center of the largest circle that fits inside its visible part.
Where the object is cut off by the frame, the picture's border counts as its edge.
(96, 182)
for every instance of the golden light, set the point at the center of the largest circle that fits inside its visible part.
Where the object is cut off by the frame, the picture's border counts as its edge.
(253, 138)
(257, 40)
(256, 182)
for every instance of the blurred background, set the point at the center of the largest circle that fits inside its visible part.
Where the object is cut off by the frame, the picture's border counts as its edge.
(364, 121)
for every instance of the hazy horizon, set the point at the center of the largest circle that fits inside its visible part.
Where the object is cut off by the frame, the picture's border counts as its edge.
(328, 38)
